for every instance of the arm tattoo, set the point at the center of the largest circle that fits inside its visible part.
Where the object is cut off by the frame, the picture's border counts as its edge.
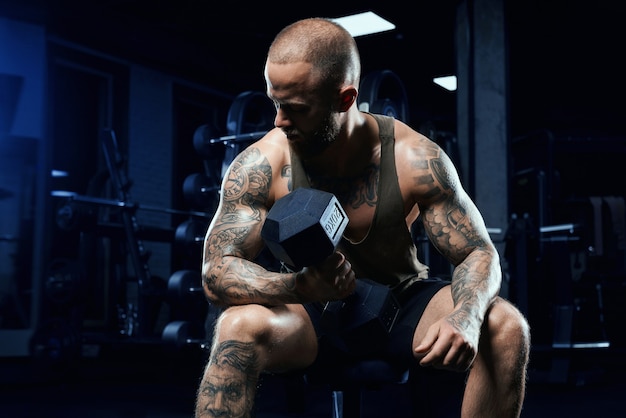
(448, 221)
(249, 179)
(246, 188)
(234, 239)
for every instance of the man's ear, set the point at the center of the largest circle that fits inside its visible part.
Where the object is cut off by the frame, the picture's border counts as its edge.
(347, 97)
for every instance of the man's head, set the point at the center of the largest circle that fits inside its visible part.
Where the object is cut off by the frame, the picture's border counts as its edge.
(312, 73)
(326, 45)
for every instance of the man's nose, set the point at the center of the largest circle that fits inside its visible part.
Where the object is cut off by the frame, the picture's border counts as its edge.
(281, 120)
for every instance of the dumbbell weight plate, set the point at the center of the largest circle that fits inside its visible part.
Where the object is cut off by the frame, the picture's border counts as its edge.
(199, 191)
(184, 283)
(189, 237)
(176, 333)
(212, 151)
(179, 334)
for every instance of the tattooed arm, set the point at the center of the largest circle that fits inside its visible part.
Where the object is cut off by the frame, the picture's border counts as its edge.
(233, 240)
(456, 228)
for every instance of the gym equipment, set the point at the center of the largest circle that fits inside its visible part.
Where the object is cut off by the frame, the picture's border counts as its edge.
(187, 301)
(199, 191)
(55, 342)
(184, 283)
(72, 216)
(250, 111)
(205, 145)
(249, 117)
(208, 146)
(178, 333)
(146, 286)
(304, 227)
(383, 92)
(189, 237)
(63, 284)
(361, 322)
(75, 214)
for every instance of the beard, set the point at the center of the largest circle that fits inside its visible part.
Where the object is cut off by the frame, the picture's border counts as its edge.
(316, 142)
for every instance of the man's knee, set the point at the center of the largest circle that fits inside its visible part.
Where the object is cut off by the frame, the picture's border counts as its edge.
(244, 323)
(508, 326)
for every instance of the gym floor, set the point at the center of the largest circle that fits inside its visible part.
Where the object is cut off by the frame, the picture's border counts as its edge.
(148, 382)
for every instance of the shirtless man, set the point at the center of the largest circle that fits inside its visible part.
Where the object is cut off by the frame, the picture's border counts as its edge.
(385, 175)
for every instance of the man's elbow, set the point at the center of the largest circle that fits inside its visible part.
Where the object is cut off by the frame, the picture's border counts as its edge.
(214, 297)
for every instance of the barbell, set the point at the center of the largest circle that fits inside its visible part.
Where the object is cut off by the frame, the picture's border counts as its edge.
(77, 211)
(207, 143)
(250, 117)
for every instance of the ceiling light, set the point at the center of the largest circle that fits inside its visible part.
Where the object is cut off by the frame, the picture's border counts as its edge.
(447, 82)
(365, 23)
(59, 173)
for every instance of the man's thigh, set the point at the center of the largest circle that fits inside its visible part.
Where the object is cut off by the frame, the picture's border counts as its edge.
(292, 341)
(439, 306)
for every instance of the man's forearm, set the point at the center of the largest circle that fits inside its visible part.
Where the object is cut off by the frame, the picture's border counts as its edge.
(237, 281)
(475, 284)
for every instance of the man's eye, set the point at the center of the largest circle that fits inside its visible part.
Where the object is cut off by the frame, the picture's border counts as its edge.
(295, 109)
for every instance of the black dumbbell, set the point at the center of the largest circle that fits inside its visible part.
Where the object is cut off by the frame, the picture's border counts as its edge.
(304, 227)
(178, 333)
(183, 283)
(199, 191)
(189, 237)
(361, 322)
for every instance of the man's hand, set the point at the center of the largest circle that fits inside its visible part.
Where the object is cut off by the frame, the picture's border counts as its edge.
(331, 279)
(446, 346)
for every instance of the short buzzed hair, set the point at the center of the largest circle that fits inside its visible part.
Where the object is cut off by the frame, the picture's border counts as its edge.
(325, 44)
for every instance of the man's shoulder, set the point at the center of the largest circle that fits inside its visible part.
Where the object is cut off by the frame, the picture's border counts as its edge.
(405, 135)
(272, 149)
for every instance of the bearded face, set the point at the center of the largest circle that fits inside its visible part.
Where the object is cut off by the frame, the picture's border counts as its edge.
(314, 142)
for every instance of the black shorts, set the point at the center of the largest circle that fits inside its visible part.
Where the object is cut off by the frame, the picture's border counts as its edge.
(398, 347)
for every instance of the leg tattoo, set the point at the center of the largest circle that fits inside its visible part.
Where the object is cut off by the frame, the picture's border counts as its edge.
(229, 383)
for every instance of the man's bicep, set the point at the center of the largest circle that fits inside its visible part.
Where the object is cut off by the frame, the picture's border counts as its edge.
(243, 206)
(454, 226)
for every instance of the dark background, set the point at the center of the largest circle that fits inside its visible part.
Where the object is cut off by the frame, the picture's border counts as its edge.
(565, 56)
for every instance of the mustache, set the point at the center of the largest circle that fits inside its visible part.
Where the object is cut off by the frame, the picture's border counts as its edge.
(291, 132)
